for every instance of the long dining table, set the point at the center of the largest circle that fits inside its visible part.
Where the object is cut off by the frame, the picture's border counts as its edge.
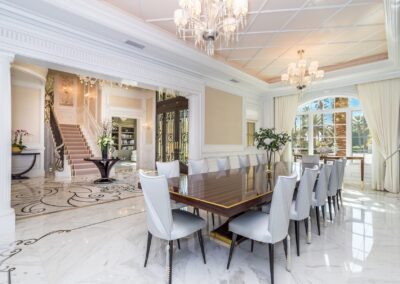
(229, 193)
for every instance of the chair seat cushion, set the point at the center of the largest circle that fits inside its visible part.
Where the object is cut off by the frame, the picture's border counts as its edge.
(252, 225)
(185, 223)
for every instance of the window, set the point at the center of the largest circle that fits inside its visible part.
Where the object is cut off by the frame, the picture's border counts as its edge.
(251, 129)
(300, 135)
(333, 125)
(361, 138)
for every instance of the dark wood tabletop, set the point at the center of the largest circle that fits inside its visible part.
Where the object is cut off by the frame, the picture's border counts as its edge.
(231, 192)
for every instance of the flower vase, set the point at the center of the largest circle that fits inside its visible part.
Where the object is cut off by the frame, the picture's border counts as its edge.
(104, 152)
(269, 161)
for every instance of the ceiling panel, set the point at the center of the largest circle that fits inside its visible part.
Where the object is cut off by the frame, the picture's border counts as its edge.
(322, 3)
(270, 21)
(279, 4)
(358, 33)
(286, 38)
(346, 16)
(243, 53)
(253, 40)
(310, 18)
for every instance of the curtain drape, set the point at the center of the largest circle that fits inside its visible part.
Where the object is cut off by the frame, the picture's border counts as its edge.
(380, 102)
(285, 114)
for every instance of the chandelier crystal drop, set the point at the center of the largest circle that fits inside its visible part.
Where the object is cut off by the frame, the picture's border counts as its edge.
(206, 20)
(299, 75)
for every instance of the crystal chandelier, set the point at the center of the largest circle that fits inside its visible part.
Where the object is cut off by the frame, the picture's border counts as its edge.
(206, 20)
(299, 75)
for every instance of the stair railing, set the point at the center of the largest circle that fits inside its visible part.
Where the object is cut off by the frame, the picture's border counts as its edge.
(58, 140)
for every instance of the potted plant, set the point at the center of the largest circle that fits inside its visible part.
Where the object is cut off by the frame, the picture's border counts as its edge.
(18, 144)
(271, 141)
(105, 140)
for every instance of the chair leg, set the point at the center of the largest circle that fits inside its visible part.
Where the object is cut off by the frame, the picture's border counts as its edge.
(179, 244)
(330, 207)
(334, 204)
(337, 199)
(213, 219)
(252, 245)
(234, 236)
(340, 195)
(271, 261)
(149, 237)
(318, 224)
(171, 249)
(323, 213)
(196, 211)
(297, 232)
(200, 236)
(285, 247)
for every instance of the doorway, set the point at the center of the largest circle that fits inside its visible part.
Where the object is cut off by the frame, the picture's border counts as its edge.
(172, 128)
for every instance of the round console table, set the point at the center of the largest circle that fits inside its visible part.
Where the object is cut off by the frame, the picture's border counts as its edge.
(104, 166)
(21, 174)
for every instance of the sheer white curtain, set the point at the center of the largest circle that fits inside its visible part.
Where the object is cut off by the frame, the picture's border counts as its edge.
(380, 102)
(285, 114)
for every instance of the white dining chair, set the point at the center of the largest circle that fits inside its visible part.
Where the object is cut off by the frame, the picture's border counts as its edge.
(333, 186)
(300, 209)
(253, 160)
(198, 167)
(321, 193)
(164, 223)
(244, 161)
(168, 169)
(310, 159)
(262, 159)
(223, 164)
(268, 228)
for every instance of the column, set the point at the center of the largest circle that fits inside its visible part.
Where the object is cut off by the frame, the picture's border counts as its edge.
(196, 119)
(7, 215)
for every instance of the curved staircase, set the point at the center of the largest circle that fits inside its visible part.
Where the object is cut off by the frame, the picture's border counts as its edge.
(76, 149)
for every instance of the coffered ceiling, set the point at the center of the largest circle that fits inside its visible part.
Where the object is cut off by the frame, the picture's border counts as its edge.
(337, 33)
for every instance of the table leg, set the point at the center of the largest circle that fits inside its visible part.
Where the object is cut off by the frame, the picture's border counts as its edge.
(362, 169)
(20, 175)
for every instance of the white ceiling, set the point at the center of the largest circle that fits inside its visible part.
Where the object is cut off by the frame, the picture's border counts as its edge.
(334, 32)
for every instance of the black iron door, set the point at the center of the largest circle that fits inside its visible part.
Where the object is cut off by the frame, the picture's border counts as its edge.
(172, 128)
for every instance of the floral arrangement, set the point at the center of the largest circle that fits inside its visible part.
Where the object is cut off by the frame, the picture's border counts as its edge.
(105, 138)
(271, 141)
(18, 138)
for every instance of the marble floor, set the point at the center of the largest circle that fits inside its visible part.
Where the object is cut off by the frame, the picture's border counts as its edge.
(106, 244)
(41, 195)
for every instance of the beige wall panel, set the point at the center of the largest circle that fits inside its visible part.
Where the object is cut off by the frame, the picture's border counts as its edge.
(26, 112)
(223, 118)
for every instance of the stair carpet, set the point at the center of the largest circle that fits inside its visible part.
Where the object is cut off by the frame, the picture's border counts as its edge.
(77, 150)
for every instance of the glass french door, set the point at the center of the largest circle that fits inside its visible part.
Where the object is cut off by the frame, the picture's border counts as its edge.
(172, 128)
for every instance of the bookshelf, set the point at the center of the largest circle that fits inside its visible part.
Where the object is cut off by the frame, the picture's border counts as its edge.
(124, 136)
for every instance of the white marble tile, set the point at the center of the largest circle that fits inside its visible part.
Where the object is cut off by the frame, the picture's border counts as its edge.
(106, 244)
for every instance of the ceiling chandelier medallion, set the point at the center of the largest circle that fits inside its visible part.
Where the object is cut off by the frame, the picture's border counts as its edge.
(206, 20)
(299, 75)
